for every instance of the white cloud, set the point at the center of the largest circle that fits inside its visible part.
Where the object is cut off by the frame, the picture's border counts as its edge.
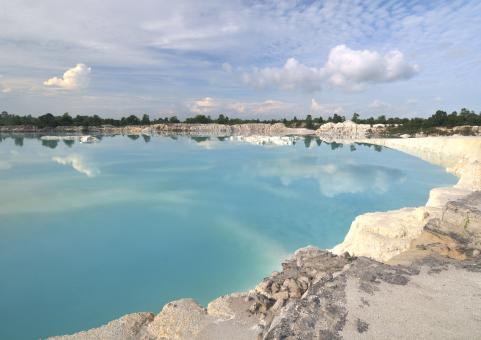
(78, 164)
(293, 75)
(345, 68)
(268, 106)
(74, 78)
(204, 105)
(209, 105)
(353, 69)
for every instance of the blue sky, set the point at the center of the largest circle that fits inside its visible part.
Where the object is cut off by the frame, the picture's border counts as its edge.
(245, 58)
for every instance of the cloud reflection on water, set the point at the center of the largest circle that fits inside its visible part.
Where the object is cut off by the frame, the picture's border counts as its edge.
(78, 163)
(333, 179)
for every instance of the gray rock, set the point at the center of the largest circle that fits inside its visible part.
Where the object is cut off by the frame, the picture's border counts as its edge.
(461, 220)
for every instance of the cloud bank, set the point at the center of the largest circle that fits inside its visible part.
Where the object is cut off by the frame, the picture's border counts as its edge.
(345, 68)
(74, 78)
(209, 105)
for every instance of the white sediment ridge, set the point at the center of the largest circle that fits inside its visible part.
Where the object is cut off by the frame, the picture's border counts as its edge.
(320, 295)
(383, 235)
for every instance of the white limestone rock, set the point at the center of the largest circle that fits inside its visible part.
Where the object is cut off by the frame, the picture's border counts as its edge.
(349, 130)
(383, 235)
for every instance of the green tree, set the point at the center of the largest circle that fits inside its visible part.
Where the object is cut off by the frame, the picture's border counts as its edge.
(337, 118)
(66, 120)
(222, 119)
(199, 119)
(355, 117)
(309, 122)
(174, 120)
(47, 120)
(381, 119)
(440, 118)
(132, 120)
(145, 119)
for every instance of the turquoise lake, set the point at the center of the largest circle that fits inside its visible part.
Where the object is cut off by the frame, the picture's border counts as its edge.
(90, 232)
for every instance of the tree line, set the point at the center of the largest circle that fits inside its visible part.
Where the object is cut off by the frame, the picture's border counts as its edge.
(397, 125)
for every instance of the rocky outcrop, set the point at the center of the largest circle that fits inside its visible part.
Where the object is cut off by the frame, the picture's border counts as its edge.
(383, 235)
(349, 130)
(461, 220)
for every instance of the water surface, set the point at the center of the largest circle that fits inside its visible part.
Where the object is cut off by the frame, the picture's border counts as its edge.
(89, 232)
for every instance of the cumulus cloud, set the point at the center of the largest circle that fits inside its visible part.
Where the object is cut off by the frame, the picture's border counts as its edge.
(78, 164)
(74, 78)
(204, 105)
(292, 75)
(353, 69)
(345, 68)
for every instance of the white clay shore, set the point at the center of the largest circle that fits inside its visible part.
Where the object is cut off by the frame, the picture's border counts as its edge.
(383, 235)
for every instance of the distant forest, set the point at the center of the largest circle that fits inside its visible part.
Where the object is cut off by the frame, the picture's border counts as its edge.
(440, 119)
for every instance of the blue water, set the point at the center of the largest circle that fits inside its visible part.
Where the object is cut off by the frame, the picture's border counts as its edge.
(89, 232)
